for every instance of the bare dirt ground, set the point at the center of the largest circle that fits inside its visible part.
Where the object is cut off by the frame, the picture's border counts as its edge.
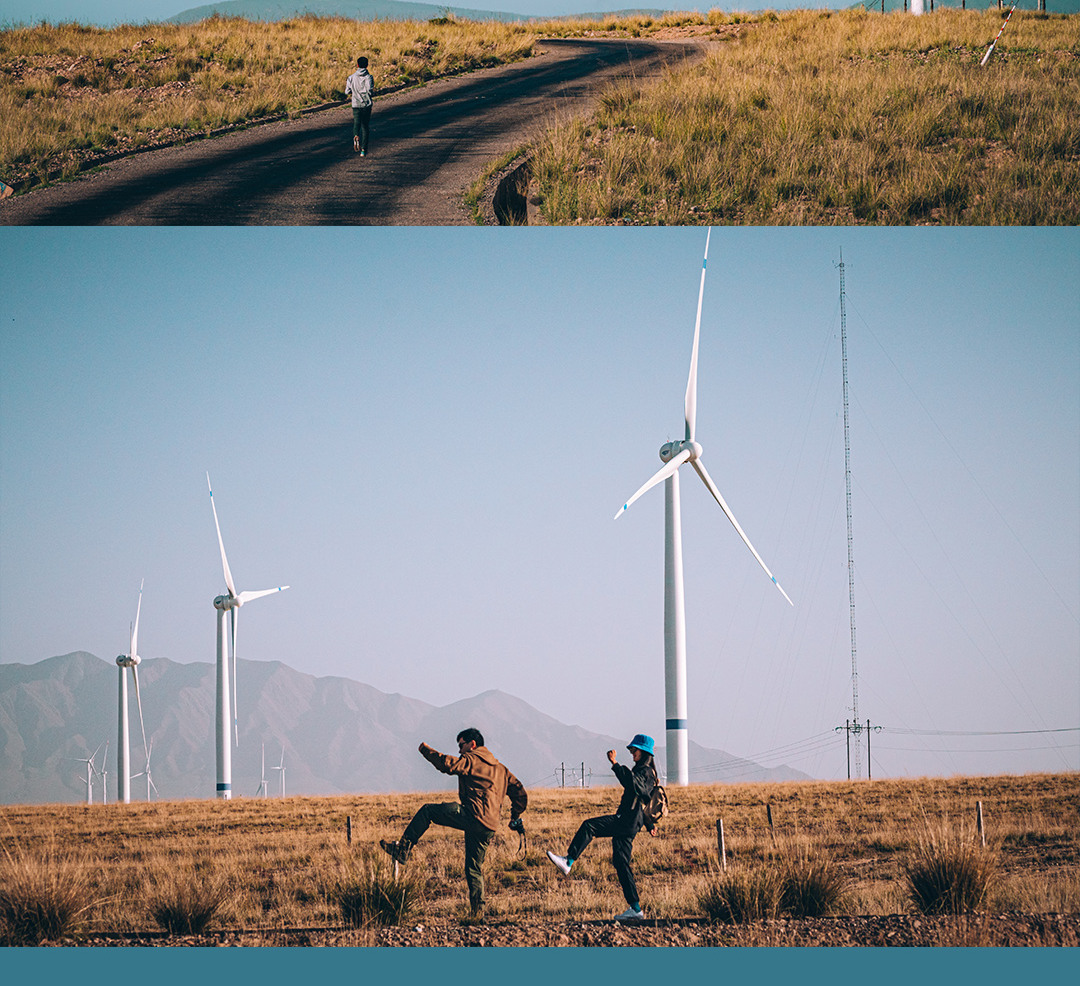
(901, 930)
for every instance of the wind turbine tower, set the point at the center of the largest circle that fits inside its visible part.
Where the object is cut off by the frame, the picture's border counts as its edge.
(230, 604)
(123, 750)
(675, 454)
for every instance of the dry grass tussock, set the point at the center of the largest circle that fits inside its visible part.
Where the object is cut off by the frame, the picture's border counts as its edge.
(851, 117)
(67, 89)
(837, 848)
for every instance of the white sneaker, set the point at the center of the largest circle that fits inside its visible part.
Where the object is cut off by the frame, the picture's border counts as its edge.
(561, 862)
(630, 915)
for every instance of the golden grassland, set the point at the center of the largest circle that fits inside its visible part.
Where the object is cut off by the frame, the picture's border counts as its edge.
(812, 117)
(801, 117)
(276, 861)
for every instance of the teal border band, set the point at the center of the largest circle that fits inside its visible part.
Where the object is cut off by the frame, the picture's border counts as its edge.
(287, 966)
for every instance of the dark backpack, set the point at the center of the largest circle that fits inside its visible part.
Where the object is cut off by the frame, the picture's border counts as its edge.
(655, 806)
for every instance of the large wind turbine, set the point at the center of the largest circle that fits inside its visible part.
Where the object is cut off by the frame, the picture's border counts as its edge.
(230, 604)
(674, 454)
(123, 750)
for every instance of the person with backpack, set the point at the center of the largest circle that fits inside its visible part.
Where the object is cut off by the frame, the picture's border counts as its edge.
(638, 785)
(359, 86)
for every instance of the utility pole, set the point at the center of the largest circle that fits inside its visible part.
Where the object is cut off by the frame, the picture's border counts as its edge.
(857, 728)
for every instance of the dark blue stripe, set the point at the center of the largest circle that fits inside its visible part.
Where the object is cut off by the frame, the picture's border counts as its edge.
(676, 724)
(224, 787)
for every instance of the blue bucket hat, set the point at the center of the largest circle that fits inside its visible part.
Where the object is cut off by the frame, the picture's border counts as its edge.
(641, 742)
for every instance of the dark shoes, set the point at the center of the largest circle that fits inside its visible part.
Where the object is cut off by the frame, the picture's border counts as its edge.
(397, 852)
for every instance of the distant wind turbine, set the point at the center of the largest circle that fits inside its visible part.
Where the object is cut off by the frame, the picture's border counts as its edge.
(281, 767)
(261, 793)
(150, 785)
(104, 775)
(89, 761)
(123, 750)
(674, 454)
(230, 604)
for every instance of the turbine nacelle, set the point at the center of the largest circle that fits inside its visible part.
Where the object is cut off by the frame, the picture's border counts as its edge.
(225, 603)
(128, 660)
(670, 450)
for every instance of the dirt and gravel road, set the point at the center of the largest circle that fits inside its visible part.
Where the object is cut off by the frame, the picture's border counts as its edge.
(427, 146)
(901, 930)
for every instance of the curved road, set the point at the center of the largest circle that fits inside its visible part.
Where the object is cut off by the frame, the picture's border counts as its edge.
(427, 146)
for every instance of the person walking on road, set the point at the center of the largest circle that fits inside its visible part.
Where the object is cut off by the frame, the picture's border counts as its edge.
(483, 782)
(621, 827)
(359, 86)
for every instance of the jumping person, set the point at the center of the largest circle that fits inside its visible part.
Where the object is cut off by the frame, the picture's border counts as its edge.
(360, 86)
(482, 784)
(621, 827)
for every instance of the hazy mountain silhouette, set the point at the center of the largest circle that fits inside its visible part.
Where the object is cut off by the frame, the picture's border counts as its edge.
(366, 10)
(362, 10)
(339, 736)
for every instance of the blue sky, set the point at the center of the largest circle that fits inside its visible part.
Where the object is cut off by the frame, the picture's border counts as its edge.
(427, 432)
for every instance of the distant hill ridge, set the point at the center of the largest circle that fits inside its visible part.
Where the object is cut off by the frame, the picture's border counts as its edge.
(339, 736)
(366, 10)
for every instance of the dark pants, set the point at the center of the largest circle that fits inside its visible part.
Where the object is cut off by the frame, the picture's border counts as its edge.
(361, 124)
(622, 845)
(476, 842)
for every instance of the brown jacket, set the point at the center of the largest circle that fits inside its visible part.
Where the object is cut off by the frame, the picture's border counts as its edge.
(482, 783)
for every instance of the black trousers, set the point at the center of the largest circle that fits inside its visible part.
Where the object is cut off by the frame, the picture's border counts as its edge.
(622, 845)
(361, 124)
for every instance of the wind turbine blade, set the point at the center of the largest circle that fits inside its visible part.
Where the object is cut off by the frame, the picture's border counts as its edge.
(221, 544)
(135, 631)
(246, 597)
(663, 474)
(691, 383)
(233, 617)
(699, 467)
(138, 702)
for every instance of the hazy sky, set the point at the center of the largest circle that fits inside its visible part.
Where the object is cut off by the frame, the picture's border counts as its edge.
(427, 433)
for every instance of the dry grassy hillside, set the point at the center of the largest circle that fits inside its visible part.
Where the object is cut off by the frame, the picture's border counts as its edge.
(273, 865)
(803, 117)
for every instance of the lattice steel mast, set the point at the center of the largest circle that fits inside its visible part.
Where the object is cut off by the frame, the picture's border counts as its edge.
(850, 555)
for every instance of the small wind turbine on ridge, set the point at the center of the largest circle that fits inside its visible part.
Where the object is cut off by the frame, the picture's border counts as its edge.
(228, 604)
(675, 454)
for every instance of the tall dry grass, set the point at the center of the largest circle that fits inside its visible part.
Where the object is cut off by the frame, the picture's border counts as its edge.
(850, 117)
(283, 863)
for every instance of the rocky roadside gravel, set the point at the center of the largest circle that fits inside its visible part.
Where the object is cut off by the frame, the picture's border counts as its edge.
(1010, 930)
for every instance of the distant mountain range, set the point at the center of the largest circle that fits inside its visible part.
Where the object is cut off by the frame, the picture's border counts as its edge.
(366, 10)
(339, 736)
(362, 10)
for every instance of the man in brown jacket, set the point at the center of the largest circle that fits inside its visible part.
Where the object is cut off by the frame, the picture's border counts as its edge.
(482, 784)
